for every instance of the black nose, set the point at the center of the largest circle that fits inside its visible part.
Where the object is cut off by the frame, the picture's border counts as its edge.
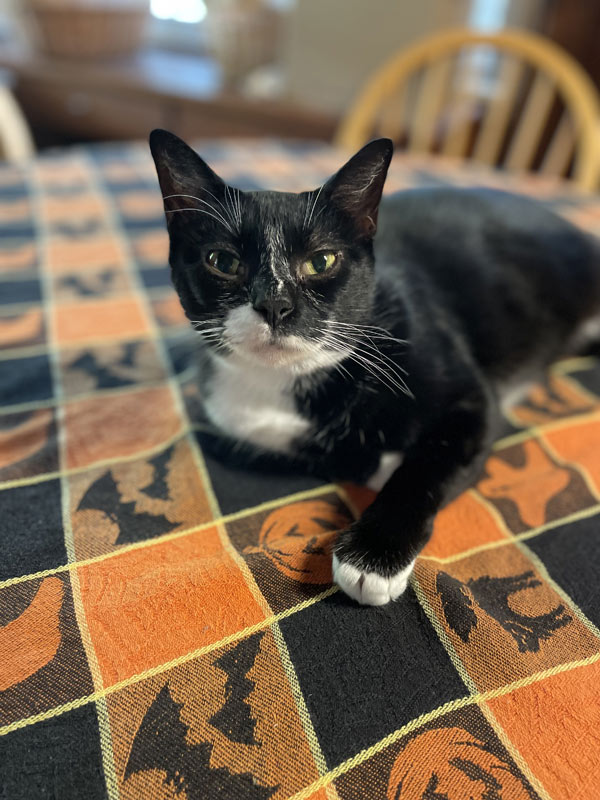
(274, 309)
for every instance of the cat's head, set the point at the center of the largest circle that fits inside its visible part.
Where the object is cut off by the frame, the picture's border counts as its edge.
(272, 278)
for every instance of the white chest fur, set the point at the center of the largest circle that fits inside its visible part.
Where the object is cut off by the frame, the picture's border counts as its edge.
(254, 404)
(388, 464)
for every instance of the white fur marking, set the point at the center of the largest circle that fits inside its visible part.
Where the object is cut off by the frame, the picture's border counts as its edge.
(251, 393)
(369, 588)
(255, 405)
(388, 464)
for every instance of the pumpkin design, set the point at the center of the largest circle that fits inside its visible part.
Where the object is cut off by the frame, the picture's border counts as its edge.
(450, 763)
(297, 539)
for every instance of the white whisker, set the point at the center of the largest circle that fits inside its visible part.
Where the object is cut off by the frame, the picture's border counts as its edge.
(202, 211)
(370, 357)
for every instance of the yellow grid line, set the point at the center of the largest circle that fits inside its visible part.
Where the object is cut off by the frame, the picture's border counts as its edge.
(537, 430)
(577, 387)
(235, 515)
(161, 668)
(116, 391)
(574, 465)
(423, 719)
(106, 748)
(565, 596)
(470, 683)
(516, 537)
(105, 462)
(514, 751)
(539, 565)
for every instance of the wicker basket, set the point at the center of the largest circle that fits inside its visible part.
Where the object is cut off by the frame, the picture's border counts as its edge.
(71, 29)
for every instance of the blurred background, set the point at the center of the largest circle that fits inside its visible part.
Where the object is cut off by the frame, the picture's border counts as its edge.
(85, 70)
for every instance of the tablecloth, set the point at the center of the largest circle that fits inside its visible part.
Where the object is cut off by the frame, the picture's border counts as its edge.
(168, 627)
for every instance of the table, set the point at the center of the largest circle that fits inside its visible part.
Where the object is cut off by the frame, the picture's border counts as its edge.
(123, 98)
(168, 626)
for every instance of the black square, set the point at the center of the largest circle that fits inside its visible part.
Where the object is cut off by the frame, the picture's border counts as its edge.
(31, 444)
(23, 380)
(238, 487)
(589, 379)
(44, 660)
(154, 277)
(571, 554)
(366, 671)
(18, 229)
(135, 225)
(20, 291)
(57, 758)
(31, 529)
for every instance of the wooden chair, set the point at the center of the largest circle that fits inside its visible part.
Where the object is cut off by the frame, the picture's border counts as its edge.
(16, 143)
(510, 99)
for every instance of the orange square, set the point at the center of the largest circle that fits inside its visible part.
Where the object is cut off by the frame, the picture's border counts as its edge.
(152, 247)
(120, 425)
(99, 319)
(152, 605)
(21, 257)
(84, 286)
(168, 311)
(579, 444)
(464, 524)
(74, 255)
(529, 487)
(22, 329)
(555, 725)
(140, 205)
(60, 172)
(71, 208)
(15, 211)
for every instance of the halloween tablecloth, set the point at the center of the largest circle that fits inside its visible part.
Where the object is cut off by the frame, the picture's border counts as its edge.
(168, 628)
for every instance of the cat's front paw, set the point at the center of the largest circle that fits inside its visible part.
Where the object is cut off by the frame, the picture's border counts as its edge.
(367, 587)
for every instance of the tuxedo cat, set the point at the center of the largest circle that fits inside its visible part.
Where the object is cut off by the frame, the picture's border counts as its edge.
(379, 359)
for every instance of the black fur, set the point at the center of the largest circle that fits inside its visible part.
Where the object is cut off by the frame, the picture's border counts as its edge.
(482, 285)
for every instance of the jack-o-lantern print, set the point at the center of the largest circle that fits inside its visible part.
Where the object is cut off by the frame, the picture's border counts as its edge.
(450, 763)
(297, 539)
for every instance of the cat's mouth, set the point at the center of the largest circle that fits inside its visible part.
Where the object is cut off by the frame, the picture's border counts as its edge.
(250, 339)
(278, 348)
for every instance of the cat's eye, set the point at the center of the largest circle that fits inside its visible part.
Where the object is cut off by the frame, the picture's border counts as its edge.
(223, 262)
(319, 263)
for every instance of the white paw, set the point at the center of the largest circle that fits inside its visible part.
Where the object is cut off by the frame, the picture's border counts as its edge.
(369, 588)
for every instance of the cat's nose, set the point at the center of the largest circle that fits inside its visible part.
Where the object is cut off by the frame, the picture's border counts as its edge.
(274, 309)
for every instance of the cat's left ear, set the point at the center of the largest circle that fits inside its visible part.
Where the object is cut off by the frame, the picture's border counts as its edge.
(357, 187)
(181, 171)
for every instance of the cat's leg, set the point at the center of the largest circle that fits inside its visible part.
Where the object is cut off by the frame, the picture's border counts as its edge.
(374, 558)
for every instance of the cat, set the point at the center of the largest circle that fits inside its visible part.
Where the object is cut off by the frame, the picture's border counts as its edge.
(370, 340)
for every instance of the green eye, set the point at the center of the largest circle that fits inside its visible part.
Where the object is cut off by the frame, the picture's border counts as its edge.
(319, 263)
(223, 261)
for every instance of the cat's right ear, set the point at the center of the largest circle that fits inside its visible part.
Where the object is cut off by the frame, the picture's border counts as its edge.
(182, 174)
(357, 186)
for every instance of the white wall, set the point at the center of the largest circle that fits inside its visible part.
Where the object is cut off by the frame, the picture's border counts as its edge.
(333, 45)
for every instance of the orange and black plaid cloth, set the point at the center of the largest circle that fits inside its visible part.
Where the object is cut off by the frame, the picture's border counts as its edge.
(168, 628)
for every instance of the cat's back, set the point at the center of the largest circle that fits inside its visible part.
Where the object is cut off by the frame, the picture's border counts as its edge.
(445, 215)
(486, 238)
(506, 268)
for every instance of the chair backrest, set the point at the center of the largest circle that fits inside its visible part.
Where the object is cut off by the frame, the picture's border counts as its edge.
(511, 99)
(16, 143)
